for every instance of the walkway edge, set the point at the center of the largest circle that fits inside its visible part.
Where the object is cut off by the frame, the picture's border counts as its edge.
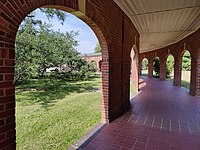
(80, 144)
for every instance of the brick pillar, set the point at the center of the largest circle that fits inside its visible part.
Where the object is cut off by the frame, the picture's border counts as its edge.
(195, 73)
(7, 99)
(163, 68)
(150, 68)
(177, 70)
(139, 68)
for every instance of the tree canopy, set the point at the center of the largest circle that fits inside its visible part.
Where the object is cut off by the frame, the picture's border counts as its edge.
(186, 61)
(39, 47)
(98, 48)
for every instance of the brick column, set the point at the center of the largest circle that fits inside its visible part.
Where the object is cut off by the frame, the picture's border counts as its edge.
(140, 67)
(150, 68)
(198, 71)
(195, 72)
(163, 68)
(7, 98)
(177, 70)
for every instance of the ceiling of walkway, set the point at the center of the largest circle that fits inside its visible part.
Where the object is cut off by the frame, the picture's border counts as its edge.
(162, 22)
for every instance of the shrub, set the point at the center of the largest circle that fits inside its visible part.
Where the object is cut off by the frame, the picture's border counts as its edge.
(156, 66)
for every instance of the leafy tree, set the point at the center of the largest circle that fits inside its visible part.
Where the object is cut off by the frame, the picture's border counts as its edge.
(51, 13)
(186, 61)
(25, 46)
(145, 64)
(156, 66)
(170, 65)
(38, 47)
(98, 48)
(93, 66)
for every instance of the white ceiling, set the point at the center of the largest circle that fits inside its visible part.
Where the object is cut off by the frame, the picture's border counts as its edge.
(162, 22)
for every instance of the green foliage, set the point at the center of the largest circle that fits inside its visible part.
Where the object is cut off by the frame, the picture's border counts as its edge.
(38, 48)
(51, 13)
(185, 82)
(132, 90)
(25, 49)
(156, 66)
(98, 48)
(170, 65)
(145, 64)
(186, 61)
(93, 66)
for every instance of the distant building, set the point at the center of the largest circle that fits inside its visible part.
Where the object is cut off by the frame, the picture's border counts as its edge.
(95, 57)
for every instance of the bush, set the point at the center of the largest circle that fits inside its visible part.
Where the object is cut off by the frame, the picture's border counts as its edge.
(145, 64)
(93, 67)
(170, 65)
(186, 64)
(156, 66)
(82, 74)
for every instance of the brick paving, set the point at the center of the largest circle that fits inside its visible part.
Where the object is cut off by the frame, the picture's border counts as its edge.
(162, 117)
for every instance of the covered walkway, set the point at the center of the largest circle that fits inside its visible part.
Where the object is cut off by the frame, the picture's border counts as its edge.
(162, 117)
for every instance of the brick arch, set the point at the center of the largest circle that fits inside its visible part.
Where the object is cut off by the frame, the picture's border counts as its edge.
(100, 65)
(72, 7)
(116, 35)
(92, 61)
(167, 55)
(12, 14)
(190, 43)
(145, 58)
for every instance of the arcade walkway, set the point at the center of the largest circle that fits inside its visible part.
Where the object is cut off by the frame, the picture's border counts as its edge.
(162, 117)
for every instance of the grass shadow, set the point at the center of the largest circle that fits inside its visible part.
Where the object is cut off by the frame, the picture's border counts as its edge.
(184, 83)
(47, 92)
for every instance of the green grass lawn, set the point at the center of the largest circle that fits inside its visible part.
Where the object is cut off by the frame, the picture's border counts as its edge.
(144, 72)
(53, 114)
(185, 82)
(131, 88)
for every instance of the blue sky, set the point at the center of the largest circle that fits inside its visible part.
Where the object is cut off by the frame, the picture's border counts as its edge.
(87, 39)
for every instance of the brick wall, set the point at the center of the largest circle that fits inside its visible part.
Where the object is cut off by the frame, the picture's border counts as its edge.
(116, 35)
(190, 43)
(96, 58)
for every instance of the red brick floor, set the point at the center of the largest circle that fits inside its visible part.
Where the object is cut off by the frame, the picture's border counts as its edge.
(162, 117)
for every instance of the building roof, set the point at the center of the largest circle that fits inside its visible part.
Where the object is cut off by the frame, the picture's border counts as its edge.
(91, 55)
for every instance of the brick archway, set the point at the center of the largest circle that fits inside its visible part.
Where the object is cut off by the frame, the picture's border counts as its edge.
(100, 65)
(10, 21)
(115, 53)
(190, 43)
(97, 57)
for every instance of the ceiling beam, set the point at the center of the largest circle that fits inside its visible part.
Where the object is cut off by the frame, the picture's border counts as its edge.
(82, 5)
